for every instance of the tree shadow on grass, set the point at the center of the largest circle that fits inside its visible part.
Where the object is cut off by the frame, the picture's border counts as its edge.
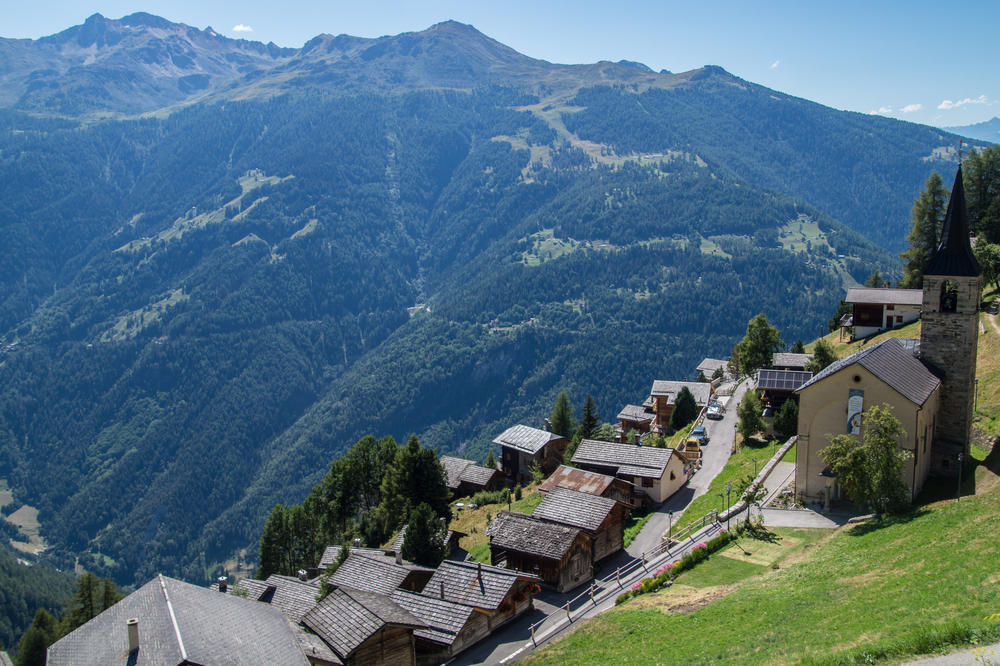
(880, 522)
(760, 533)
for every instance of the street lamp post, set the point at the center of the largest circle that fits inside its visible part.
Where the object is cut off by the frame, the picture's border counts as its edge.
(736, 430)
(670, 527)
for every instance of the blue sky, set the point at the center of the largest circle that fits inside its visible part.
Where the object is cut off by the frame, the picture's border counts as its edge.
(914, 60)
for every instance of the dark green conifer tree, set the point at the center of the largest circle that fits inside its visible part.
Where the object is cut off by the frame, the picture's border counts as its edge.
(685, 409)
(927, 219)
(561, 420)
(425, 535)
(589, 419)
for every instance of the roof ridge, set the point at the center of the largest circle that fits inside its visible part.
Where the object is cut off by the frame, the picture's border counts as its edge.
(173, 617)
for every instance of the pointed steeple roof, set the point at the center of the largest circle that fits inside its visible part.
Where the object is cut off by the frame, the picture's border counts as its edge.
(954, 254)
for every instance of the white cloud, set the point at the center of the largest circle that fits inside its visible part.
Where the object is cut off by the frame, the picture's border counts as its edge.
(239, 27)
(910, 108)
(881, 110)
(774, 65)
(948, 104)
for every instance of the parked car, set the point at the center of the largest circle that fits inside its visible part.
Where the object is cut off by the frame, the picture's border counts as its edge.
(700, 434)
(714, 411)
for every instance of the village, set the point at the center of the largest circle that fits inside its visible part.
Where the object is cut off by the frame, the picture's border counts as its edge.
(569, 558)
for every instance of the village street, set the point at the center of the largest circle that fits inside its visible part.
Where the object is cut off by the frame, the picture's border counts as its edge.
(515, 640)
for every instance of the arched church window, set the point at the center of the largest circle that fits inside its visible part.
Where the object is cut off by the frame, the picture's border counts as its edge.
(949, 296)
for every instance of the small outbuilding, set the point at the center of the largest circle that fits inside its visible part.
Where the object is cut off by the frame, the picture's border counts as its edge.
(467, 478)
(500, 594)
(523, 447)
(879, 309)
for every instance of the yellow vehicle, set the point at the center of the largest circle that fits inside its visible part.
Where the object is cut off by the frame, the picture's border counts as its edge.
(692, 444)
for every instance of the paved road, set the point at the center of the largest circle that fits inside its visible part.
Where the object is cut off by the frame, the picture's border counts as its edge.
(515, 640)
(713, 458)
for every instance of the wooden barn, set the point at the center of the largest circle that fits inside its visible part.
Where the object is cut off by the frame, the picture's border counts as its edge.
(467, 478)
(522, 447)
(498, 594)
(561, 555)
(600, 517)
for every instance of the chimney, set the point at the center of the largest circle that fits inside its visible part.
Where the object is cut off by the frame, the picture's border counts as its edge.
(133, 634)
(399, 557)
(223, 583)
(442, 590)
(303, 574)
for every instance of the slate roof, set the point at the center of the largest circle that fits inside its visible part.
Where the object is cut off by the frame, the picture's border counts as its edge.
(5, 660)
(642, 461)
(790, 360)
(347, 618)
(525, 438)
(444, 619)
(594, 483)
(575, 508)
(702, 391)
(255, 589)
(330, 554)
(885, 296)
(894, 364)
(459, 469)
(531, 535)
(708, 366)
(462, 583)
(182, 623)
(313, 646)
(362, 571)
(781, 380)
(954, 254)
(290, 595)
(635, 413)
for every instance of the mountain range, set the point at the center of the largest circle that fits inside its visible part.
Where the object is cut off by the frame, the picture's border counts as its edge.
(988, 130)
(224, 262)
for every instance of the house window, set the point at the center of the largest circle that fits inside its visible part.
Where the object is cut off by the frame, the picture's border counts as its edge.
(647, 483)
(899, 319)
(672, 476)
(890, 307)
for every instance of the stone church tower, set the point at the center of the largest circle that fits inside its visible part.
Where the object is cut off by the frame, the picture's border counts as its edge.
(949, 332)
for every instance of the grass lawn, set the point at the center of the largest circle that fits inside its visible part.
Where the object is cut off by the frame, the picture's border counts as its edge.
(475, 521)
(882, 586)
(740, 464)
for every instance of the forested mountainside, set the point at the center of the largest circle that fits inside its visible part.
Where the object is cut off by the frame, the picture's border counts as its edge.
(202, 307)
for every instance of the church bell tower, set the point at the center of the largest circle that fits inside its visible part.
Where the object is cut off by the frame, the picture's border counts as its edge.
(949, 332)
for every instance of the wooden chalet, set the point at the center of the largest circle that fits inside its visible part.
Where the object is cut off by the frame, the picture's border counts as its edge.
(600, 517)
(595, 483)
(561, 555)
(635, 417)
(709, 366)
(498, 594)
(656, 473)
(790, 361)
(664, 393)
(292, 596)
(365, 628)
(451, 626)
(467, 478)
(777, 386)
(878, 309)
(523, 446)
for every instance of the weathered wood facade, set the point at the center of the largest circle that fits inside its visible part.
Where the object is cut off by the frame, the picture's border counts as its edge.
(561, 555)
(522, 447)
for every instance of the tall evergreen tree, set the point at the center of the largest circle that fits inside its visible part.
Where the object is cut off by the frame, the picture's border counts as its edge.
(589, 419)
(927, 219)
(424, 541)
(875, 279)
(798, 347)
(275, 544)
(416, 476)
(43, 632)
(685, 409)
(981, 177)
(561, 420)
(491, 460)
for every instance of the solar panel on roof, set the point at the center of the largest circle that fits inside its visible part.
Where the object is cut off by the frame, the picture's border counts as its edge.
(783, 380)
